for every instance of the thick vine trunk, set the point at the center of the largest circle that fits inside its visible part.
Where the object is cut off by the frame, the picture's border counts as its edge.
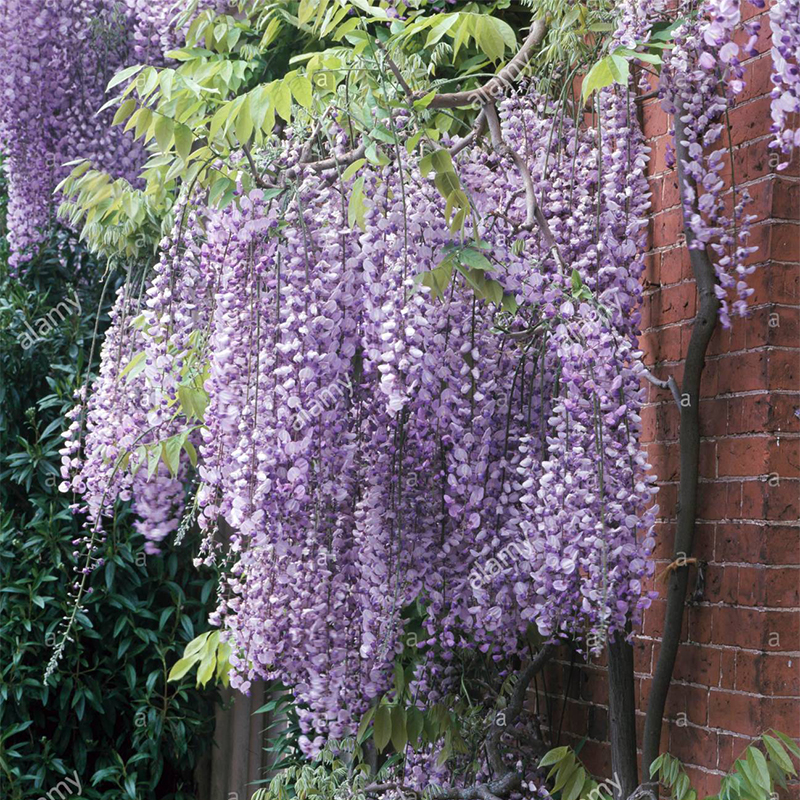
(704, 324)
(622, 717)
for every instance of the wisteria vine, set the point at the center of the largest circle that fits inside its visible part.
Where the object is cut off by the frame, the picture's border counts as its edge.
(59, 56)
(361, 443)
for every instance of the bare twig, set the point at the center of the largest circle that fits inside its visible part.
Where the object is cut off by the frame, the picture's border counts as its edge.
(533, 213)
(256, 176)
(670, 384)
(640, 98)
(494, 87)
(340, 161)
(477, 131)
(305, 153)
(396, 72)
(320, 166)
(514, 708)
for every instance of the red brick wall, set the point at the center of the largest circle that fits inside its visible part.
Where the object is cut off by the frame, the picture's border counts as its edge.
(738, 670)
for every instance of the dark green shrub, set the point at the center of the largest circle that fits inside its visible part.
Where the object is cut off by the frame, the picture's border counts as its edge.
(107, 715)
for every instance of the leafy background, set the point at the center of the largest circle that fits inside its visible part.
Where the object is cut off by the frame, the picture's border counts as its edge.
(108, 713)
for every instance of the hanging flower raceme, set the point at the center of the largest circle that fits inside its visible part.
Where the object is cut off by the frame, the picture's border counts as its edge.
(384, 413)
(690, 89)
(364, 445)
(784, 16)
(58, 59)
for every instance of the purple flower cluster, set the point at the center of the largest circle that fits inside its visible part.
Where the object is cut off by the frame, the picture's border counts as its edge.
(468, 440)
(153, 26)
(453, 442)
(703, 58)
(111, 423)
(58, 57)
(785, 21)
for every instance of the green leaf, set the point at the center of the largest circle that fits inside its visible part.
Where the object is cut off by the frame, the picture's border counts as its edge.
(136, 360)
(447, 183)
(399, 732)
(572, 788)
(564, 770)
(598, 77)
(181, 667)
(466, 29)
(364, 726)
(747, 776)
(383, 134)
(438, 279)
(171, 452)
(793, 748)
(426, 164)
(458, 220)
(441, 28)
(355, 206)
(301, 90)
(399, 679)
(441, 161)
(620, 68)
(673, 769)
(553, 756)
(756, 760)
(183, 141)
(166, 80)
(657, 762)
(306, 10)
(197, 645)
(153, 457)
(493, 292)
(382, 727)
(111, 569)
(681, 786)
(353, 168)
(424, 102)
(123, 75)
(259, 105)
(163, 131)
(509, 303)
(778, 754)
(191, 452)
(472, 258)
(244, 122)
(650, 58)
(662, 31)
(223, 662)
(124, 111)
(414, 725)
(413, 142)
(209, 662)
(147, 81)
(489, 38)
(282, 99)
(221, 117)
(445, 752)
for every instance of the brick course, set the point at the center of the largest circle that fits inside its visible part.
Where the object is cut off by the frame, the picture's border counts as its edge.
(738, 669)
